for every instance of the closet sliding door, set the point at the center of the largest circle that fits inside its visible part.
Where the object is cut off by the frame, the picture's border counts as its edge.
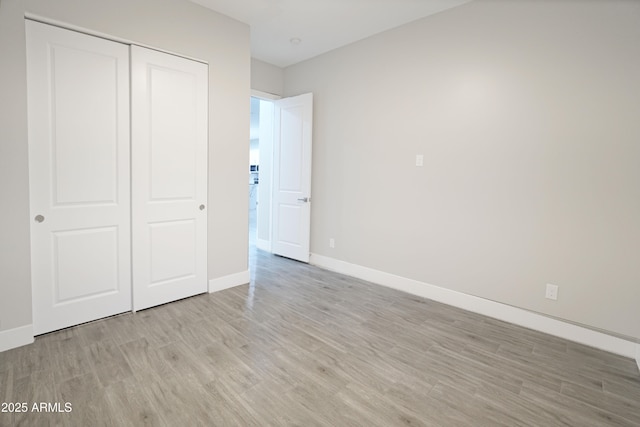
(169, 182)
(78, 101)
(116, 224)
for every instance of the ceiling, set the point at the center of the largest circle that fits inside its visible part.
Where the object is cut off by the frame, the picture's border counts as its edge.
(285, 32)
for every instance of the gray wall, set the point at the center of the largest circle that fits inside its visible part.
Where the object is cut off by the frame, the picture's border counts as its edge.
(266, 77)
(527, 114)
(174, 25)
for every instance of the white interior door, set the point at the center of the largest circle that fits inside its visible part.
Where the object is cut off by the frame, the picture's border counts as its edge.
(292, 177)
(169, 182)
(78, 101)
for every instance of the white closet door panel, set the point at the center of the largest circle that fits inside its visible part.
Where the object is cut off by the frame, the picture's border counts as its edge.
(99, 275)
(85, 169)
(173, 125)
(173, 253)
(78, 93)
(169, 183)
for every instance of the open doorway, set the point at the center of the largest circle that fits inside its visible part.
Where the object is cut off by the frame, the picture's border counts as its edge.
(280, 175)
(260, 171)
(254, 170)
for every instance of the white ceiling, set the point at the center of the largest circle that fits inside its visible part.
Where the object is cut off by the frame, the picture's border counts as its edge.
(320, 25)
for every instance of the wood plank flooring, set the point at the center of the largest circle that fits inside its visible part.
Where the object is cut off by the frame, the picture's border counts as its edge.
(308, 347)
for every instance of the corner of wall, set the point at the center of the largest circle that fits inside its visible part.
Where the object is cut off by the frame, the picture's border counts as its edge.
(267, 77)
(230, 281)
(16, 337)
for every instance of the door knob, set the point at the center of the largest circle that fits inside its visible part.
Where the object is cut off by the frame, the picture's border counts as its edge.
(39, 218)
(201, 207)
(304, 199)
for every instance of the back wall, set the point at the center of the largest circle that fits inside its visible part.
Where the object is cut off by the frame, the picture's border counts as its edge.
(527, 115)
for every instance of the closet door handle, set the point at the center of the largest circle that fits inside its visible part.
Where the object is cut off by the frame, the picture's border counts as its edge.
(39, 218)
(201, 207)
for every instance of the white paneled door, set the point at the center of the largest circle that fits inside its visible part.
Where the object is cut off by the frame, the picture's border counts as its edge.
(292, 177)
(116, 224)
(169, 187)
(79, 176)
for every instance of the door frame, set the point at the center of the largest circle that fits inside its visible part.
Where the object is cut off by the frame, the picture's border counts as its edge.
(266, 177)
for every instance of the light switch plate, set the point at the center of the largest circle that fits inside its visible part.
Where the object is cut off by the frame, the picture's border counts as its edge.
(551, 292)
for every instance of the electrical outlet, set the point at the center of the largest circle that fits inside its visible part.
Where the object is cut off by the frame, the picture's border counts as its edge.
(551, 292)
(332, 243)
(419, 160)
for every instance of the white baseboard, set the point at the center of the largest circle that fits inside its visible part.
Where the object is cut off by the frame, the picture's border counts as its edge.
(485, 307)
(226, 282)
(16, 337)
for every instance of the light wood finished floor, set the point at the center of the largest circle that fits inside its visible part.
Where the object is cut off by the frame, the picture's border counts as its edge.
(303, 346)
